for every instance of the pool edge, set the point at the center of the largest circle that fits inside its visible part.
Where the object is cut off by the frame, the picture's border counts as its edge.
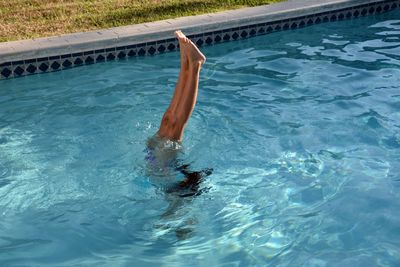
(21, 58)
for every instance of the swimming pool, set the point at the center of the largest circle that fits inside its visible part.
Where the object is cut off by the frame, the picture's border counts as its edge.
(300, 127)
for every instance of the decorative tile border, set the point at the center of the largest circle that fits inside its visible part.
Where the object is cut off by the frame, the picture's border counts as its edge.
(65, 61)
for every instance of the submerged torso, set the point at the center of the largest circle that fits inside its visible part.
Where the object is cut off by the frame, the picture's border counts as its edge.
(167, 172)
(162, 156)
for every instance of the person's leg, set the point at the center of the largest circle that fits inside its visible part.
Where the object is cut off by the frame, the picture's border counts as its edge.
(184, 99)
(189, 97)
(183, 74)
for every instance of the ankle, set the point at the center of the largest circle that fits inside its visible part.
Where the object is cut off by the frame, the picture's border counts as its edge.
(196, 64)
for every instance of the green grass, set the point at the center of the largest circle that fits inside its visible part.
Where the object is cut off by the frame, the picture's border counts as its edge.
(24, 19)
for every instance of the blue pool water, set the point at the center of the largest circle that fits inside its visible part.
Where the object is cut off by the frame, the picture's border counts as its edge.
(302, 129)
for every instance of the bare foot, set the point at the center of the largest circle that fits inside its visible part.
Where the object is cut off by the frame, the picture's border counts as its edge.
(194, 53)
(190, 49)
(182, 40)
(181, 37)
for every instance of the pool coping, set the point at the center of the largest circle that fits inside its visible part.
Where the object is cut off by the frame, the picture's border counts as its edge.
(26, 57)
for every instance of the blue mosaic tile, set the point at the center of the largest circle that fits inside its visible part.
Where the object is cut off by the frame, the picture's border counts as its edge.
(43, 67)
(379, 9)
(19, 62)
(142, 52)
(209, 40)
(161, 43)
(110, 56)
(325, 19)
(78, 61)
(218, 38)
(278, 27)
(302, 24)
(310, 22)
(6, 72)
(199, 42)
(235, 35)
(86, 53)
(341, 16)
(171, 47)
(252, 32)
(6, 64)
(88, 60)
(356, 13)
(100, 58)
(19, 71)
(226, 37)
(371, 10)
(151, 50)
(261, 30)
(293, 26)
(386, 7)
(121, 55)
(55, 65)
(31, 69)
(364, 12)
(243, 34)
(67, 63)
(161, 49)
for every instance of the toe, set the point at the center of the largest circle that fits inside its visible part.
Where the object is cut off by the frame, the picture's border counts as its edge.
(179, 35)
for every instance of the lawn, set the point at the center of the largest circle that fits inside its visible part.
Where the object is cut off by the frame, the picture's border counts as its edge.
(24, 19)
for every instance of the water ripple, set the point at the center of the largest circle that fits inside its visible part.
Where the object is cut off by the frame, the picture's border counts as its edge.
(301, 129)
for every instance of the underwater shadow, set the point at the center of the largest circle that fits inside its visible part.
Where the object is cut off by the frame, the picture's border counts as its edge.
(177, 183)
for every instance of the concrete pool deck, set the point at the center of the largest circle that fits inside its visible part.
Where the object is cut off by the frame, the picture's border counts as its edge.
(20, 58)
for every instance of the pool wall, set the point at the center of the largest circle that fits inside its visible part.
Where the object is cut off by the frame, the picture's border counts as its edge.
(21, 58)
